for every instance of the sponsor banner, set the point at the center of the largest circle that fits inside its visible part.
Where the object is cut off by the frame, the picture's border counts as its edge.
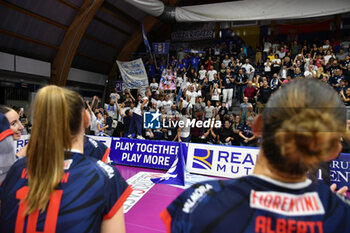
(223, 161)
(161, 48)
(168, 80)
(204, 159)
(194, 51)
(233, 162)
(144, 153)
(340, 171)
(192, 35)
(133, 73)
(19, 144)
(141, 183)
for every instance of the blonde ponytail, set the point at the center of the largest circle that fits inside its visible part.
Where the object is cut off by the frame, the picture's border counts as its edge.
(54, 110)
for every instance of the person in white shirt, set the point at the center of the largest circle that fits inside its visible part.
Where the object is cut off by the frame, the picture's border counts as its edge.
(209, 111)
(114, 96)
(191, 95)
(310, 73)
(179, 81)
(112, 109)
(326, 45)
(276, 64)
(186, 83)
(283, 73)
(211, 73)
(154, 85)
(307, 60)
(249, 69)
(186, 105)
(99, 125)
(328, 56)
(226, 61)
(199, 91)
(167, 104)
(183, 133)
(215, 92)
(202, 73)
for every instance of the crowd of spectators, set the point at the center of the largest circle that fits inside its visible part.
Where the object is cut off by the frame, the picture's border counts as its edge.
(213, 84)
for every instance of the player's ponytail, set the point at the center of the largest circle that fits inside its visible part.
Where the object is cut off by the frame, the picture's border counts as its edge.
(302, 125)
(57, 119)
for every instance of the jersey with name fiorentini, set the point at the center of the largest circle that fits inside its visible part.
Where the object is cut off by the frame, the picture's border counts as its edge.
(89, 192)
(259, 205)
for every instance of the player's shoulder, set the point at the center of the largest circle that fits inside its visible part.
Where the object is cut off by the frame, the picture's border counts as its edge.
(90, 142)
(17, 168)
(105, 170)
(204, 195)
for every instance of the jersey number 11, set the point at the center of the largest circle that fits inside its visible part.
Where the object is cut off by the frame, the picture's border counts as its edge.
(51, 216)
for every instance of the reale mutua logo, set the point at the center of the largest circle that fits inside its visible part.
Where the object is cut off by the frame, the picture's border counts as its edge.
(203, 159)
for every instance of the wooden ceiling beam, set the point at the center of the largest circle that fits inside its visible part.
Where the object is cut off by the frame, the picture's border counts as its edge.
(48, 45)
(101, 42)
(110, 9)
(26, 38)
(32, 14)
(99, 19)
(54, 23)
(67, 50)
(71, 5)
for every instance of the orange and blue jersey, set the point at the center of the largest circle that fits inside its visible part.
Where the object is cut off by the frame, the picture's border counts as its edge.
(96, 149)
(257, 204)
(89, 192)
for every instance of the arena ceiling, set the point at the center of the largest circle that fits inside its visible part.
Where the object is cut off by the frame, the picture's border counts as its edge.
(36, 29)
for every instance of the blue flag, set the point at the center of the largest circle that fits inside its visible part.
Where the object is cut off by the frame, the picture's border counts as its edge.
(175, 174)
(161, 48)
(145, 40)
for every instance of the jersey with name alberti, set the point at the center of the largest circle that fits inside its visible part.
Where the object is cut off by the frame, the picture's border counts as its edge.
(257, 204)
(89, 192)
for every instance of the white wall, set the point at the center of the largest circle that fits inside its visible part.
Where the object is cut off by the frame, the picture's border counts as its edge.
(26, 65)
(32, 66)
(87, 77)
(7, 61)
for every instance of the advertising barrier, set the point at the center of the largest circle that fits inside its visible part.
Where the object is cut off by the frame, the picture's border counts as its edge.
(223, 161)
(234, 162)
(144, 153)
(340, 171)
(19, 144)
(203, 159)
